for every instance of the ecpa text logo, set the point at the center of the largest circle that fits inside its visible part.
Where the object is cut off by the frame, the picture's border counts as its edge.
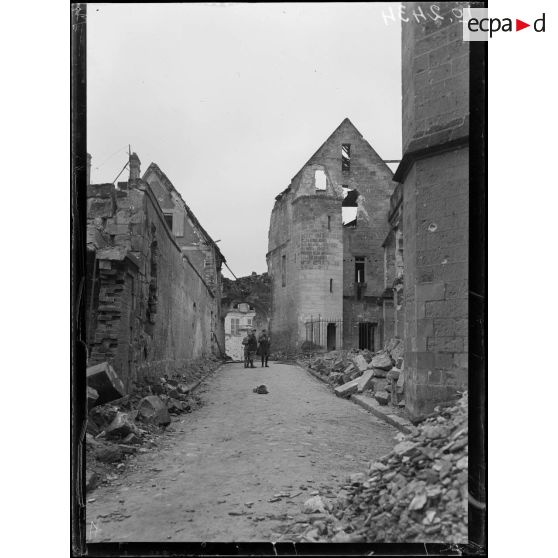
(477, 26)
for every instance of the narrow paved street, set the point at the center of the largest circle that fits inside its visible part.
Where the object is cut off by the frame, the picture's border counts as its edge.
(239, 448)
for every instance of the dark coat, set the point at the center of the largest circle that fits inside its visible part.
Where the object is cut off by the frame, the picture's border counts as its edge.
(252, 342)
(264, 344)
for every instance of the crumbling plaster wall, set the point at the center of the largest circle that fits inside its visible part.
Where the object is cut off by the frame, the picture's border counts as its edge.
(193, 240)
(434, 172)
(155, 312)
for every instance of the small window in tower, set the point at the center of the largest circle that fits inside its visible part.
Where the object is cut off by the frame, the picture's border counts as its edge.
(359, 270)
(284, 271)
(346, 156)
(329, 222)
(320, 180)
(331, 285)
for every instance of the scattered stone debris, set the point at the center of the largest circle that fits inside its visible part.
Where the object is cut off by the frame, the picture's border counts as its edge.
(92, 397)
(153, 410)
(261, 389)
(129, 424)
(416, 493)
(104, 380)
(361, 371)
(382, 397)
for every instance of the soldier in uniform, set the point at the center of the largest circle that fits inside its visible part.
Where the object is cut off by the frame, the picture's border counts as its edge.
(263, 347)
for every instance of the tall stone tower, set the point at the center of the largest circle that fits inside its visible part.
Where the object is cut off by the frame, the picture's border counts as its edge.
(434, 173)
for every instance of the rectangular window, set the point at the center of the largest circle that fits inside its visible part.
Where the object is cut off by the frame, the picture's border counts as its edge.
(168, 220)
(235, 326)
(329, 222)
(359, 270)
(346, 156)
(320, 181)
(331, 285)
(283, 270)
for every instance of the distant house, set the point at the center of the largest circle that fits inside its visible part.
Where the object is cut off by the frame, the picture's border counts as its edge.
(238, 321)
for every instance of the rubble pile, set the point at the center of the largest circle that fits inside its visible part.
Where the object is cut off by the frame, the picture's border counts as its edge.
(357, 371)
(124, 426)
(416, 493)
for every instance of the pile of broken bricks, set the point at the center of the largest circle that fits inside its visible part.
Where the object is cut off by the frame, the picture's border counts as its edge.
(416, 493)
(356, 371)
(120, 425)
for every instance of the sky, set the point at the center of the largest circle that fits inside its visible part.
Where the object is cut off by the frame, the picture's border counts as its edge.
(230, 100)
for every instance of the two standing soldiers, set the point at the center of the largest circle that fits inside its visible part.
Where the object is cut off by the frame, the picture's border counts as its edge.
(253, 346)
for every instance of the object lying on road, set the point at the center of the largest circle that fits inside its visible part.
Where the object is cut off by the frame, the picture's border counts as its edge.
(261, 389)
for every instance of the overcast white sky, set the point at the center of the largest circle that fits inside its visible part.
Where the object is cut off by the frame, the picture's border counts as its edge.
(230, 100)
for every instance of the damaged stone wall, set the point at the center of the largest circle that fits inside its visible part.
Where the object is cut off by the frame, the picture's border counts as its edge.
(434, 173)
(194, 241)
(320, 253)
(154, 312)
(393, 319)
(373, 180)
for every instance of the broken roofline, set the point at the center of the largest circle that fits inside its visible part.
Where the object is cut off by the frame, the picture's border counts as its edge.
(155, 168)
(345, 120)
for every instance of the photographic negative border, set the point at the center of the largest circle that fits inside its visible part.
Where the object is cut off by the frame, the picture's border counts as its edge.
(478, 386)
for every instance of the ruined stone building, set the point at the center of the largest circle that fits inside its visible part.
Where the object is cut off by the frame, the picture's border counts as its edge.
(430, 209)
(153, 294)
(325, 257)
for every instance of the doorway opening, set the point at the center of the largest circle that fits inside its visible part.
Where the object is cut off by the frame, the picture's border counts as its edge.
(366, 335)
(331, 335)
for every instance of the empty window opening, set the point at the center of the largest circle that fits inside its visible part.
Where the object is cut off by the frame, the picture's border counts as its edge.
(168, 220)
(331, 285)
(349, 216)
(350, 197)
(283, 270)
(359, 270)
(346, 156)
(349, 207)
(329, 222)
(320, 181)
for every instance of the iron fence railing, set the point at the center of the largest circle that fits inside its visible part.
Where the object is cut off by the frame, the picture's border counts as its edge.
(324, 332)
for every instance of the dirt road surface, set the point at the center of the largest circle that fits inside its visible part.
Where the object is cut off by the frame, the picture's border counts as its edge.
(235, 454)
